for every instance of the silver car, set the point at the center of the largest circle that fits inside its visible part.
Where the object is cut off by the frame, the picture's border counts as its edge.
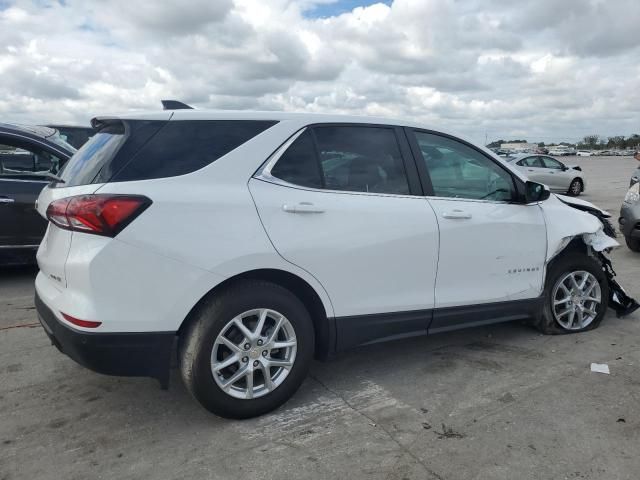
(553, 173)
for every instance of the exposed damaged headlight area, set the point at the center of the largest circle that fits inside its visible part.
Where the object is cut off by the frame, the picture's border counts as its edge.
(596, 232)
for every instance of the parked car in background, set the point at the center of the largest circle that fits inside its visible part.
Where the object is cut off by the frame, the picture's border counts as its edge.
(551, 172)
(74, 135)
(258, 240)
(629, 220)
(583, 153)
(30, 158)
(561, 151)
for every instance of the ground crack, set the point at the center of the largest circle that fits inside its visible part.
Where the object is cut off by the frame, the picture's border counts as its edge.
(373, 422)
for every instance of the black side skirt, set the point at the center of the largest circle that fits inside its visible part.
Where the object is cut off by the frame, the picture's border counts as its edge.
(358, 330)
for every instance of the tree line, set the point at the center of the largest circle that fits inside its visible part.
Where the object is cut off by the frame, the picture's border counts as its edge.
(589, 142)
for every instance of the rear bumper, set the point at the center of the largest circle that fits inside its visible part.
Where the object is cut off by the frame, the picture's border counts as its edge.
(123, 354)
(629, 220)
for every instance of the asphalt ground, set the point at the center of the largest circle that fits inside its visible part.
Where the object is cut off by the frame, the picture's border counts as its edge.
(499, 402)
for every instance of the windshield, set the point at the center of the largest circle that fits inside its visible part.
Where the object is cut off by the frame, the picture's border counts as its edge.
(58, 140)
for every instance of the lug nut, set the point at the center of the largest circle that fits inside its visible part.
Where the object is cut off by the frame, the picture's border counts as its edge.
(247, 346)
(259, 342)
(256, 363)
(264, 353)
(245, 359)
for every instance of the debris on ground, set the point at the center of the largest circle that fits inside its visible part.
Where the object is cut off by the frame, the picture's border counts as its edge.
(600, 368)
(448, 432)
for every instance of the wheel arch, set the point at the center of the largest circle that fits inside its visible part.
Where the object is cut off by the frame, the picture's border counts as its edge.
(323, 323)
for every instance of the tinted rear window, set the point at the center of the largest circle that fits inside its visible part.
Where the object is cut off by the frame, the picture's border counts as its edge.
(87, 162)
(185, 146)
(142, 150)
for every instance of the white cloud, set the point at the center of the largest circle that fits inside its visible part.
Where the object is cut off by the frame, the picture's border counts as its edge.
(545, 69)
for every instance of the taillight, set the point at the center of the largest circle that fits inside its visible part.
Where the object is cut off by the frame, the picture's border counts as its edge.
(101, 214)
(81, 323)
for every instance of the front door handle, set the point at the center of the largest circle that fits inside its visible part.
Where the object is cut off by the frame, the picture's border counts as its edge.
(6, 200)
(457, 215)
(302, 207)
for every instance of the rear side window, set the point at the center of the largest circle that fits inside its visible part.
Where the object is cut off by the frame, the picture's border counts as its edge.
(299, 164)
(185, 146)
(142, 150)
(348, 158)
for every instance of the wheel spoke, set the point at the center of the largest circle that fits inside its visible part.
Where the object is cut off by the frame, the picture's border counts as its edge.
(261, 320)
(276, 362)
(230, 360)
(579, 317)
(287, 344)
(266, 373)
(276, 329)
(222, 340)
(584, 281)
(561, 301)
(235, 377)
(592, 299)
(591, 312)
(250, 384)
(241, 326)
(564, 312)
(572, 314)
(574, 284)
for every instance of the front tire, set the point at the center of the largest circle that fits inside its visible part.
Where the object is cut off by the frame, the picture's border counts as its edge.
(576, 295)
(633, 243)
(246, 349)
(575, 188)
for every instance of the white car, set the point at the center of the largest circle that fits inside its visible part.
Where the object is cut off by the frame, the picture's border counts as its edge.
(258, 241)
(556, 175)
(583, 153)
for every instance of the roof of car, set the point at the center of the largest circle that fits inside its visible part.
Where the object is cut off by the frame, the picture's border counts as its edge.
(37, 130)
(257, 115)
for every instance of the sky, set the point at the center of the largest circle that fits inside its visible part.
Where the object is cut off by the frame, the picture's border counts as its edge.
(543, 70)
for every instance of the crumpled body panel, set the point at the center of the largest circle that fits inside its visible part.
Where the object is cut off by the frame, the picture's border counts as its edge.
(564, 223)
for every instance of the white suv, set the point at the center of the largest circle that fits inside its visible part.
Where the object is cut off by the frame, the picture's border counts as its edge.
(256, 241)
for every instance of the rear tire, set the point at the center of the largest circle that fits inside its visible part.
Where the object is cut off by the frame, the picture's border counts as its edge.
(553, 320)
(633, 243)
(202, 349)
(575, 188)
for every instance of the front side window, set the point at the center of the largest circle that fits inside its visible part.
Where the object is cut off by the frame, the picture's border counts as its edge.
(459, 171)
(551, 163)
(346, 158)
(27, 163)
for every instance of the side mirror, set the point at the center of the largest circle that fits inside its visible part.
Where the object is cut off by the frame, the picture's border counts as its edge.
(536, 192)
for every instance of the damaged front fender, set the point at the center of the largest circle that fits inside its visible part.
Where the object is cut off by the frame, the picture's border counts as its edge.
(565, 222)
(568, 219)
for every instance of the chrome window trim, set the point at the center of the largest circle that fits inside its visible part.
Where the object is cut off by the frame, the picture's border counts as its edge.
(18, 246)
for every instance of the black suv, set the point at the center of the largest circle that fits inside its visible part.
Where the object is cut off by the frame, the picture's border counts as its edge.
(30, 157)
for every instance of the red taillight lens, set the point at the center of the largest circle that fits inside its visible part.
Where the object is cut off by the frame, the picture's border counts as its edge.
(101, 214)
(81, 323)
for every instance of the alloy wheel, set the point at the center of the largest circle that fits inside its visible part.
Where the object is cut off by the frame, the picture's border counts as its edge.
(576, 299)
(576, 188)
(254, 353)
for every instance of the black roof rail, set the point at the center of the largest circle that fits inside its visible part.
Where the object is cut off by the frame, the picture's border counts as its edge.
(175, 105)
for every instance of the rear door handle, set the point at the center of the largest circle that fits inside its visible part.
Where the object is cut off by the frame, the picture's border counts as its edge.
(457, 215)
(7, 200)
(302, 207)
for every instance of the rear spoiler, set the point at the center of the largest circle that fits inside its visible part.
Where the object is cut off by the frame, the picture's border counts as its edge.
(175, 105)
